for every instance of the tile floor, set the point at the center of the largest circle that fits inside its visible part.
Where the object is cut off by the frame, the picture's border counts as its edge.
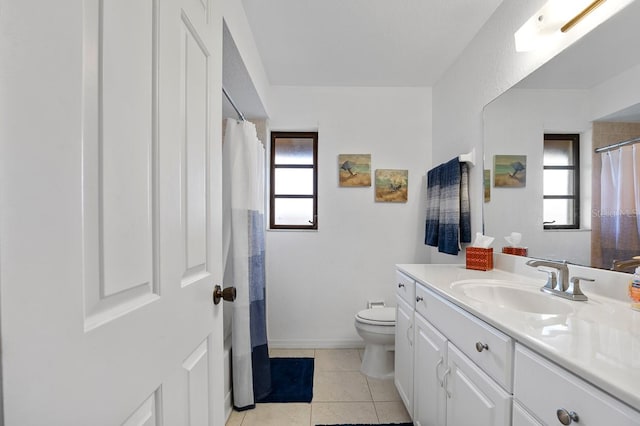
(341, 394)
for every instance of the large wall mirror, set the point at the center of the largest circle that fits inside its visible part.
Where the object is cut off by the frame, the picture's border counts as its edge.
(591, 90)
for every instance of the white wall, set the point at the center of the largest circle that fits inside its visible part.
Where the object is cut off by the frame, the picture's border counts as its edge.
(489, 66)
(318, 280)
(515, 124)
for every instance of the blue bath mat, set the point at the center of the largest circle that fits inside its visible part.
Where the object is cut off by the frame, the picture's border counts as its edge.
(291, 380)
(371, 424)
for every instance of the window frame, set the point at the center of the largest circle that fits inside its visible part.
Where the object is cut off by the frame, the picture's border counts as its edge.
(575, 167)
(272, 170)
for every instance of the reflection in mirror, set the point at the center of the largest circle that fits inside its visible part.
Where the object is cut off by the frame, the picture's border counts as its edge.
(592, 90)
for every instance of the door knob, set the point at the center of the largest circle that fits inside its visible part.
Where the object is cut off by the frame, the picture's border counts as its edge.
(228, 294)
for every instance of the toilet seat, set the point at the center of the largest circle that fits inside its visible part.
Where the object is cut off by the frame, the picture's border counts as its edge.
(377, 316)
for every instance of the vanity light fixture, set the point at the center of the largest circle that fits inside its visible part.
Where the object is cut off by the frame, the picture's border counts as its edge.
(553, 19)
(587, 10)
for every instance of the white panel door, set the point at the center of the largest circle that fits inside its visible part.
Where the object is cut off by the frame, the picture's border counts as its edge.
(110, 219)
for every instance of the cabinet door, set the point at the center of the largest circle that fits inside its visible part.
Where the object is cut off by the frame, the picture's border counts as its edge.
(430, 363)
(404, 353)
(473, 398)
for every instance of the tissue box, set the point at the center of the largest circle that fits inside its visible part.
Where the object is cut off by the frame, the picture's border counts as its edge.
(518, 251)
(480, 259)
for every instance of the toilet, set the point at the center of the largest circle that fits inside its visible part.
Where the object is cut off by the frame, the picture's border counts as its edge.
(377, 327)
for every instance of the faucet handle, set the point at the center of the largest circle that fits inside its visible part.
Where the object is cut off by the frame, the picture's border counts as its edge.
(574, 288)
(551, 280)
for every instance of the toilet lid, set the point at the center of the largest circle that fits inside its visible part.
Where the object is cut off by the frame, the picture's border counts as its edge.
(382, 316)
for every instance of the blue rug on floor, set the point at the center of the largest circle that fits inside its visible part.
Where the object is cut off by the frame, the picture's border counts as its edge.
(371, 424)
(291, 380)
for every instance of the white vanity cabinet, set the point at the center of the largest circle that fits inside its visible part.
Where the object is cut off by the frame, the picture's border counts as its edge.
(469, 371)
(403, 375)
(449, 387)
(552, 394)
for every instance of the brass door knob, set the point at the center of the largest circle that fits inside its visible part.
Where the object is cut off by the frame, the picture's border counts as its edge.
(228, 294)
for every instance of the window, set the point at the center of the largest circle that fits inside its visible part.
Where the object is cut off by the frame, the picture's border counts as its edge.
(561, 181)
(293, 194)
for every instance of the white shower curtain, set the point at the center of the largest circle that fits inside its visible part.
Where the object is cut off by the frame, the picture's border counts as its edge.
(243, 242)
(620, 204)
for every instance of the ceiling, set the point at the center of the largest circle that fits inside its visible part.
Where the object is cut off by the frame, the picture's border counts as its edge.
(363, 42)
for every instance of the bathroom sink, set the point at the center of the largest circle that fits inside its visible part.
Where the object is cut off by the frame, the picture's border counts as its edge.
(510, 295)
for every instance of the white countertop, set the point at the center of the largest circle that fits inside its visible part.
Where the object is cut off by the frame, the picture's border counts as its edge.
(599, 340)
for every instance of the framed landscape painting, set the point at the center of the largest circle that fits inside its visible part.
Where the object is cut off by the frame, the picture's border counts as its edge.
(510, 171)
(354, 169)
(392, 185)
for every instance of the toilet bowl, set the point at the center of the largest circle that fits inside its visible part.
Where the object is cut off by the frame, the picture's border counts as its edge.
(377, 327)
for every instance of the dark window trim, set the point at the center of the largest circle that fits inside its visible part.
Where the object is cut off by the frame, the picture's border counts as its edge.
(272, 169)
(575, 167)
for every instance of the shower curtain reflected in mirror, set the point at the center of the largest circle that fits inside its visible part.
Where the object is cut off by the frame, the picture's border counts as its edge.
(244, 267)
(620, 204)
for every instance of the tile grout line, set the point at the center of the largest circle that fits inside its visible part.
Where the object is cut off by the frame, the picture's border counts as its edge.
(375, 408)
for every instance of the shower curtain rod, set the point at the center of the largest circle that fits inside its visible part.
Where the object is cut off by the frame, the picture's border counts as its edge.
(617, 145)
(233, 104)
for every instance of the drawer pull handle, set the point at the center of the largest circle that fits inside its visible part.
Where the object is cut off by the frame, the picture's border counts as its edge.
(567, 417)
(419, 299)
(400, 285)
(481, 346)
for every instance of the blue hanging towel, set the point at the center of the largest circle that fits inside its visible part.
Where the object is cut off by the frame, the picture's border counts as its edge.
(449, 222)
(465, 204)
(433, 207)
(448, 219)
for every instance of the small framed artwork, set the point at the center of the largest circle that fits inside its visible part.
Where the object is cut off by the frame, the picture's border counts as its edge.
(392, 185)
(486, 179)
(510, 171)
(354, 169)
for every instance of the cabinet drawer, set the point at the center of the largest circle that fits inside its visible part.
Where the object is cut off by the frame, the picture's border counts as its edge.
(544, 388)
(522, 418)
(406, 288)
(465, 331)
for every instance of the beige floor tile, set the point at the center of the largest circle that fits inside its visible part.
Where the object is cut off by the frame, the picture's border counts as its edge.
(236, 417)
(383, 390)
(291, 353)
(278, 415)
(324, 413)
(343, 386)
(392, 412)
(337, 360)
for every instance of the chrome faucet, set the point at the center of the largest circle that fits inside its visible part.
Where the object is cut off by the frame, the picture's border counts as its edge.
(558, 282)
(621, 265)
(558, 279)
